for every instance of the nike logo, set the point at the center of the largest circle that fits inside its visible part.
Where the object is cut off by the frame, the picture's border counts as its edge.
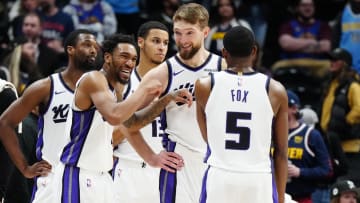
(177, 73)
(60, 92)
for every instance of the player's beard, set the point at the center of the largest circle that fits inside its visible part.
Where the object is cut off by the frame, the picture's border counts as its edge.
(85, 64)
(188, 54)
(119, 78)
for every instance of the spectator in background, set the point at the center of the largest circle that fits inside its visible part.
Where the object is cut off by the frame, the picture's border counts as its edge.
(17, 13)
(7, 96)
(164, 15)
(255, 12)
(340, 116)
(56, 25)
(225, 20)
(309, 159)
(346, 32)
(304, 36)
(127, 15)
(18, 184)
(344, 191)
(309, 116)
(46, 58)
(94, 15)
(4, 25)
(21, 66)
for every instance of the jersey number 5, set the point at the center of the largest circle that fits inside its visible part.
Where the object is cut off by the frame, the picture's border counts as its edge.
(244, 132)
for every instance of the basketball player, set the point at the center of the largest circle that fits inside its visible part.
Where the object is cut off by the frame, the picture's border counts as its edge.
(236, 109)
(182, 132)
(87, 157)
(134, 180)
(53, 95)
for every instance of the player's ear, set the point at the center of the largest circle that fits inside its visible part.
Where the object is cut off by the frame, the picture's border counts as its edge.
(140, 42)
(107, 57)
(70, 50)
(254, 50)
(206, 31)
(224, 53)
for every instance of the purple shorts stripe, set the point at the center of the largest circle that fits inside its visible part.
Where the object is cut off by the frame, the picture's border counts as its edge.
(34, 189)
(113, 169)
(274, 190)
(167, 182)
(70, 186)
(203, 194)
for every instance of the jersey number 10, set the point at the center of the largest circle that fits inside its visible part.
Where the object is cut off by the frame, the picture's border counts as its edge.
(244, 132)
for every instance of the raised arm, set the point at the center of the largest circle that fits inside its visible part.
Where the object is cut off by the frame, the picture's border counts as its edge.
(279, 102)
(202, 92)
(143, 117)
(33, 96)
(94, 90)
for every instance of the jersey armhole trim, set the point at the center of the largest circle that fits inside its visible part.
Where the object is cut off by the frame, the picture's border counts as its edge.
(169, 78)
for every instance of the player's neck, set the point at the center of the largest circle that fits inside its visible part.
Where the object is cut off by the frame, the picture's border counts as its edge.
(145, 65)
(198, 59)
(240, 65)
(71, 75)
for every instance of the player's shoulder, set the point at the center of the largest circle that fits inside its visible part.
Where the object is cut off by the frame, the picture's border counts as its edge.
(43, 84)
(92, 77)
(276, 88)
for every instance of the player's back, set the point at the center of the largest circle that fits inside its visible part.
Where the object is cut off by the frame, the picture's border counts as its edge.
(52, 121)
(239, 119)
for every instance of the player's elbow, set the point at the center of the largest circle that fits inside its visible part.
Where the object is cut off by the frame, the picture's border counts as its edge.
(115, 119)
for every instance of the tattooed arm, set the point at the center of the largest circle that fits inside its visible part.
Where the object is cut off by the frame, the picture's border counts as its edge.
(142, 117)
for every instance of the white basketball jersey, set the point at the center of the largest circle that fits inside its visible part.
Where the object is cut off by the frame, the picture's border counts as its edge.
(180, 120)
(239, 119)
(90, 140)
(151, 132)
(52, 120)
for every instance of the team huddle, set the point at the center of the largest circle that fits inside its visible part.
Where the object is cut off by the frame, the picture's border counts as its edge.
(196, 127)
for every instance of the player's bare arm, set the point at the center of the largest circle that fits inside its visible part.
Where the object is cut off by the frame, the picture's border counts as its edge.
(278, 99)
(94, 89)
(35, 95)
(202, 92)
(169, 161)
(159, 73)
(143, 117)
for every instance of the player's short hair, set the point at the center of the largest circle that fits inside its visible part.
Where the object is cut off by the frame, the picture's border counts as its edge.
(239, 41)
(110, 43)
(73, 38)
(192, 13)
(145, 28)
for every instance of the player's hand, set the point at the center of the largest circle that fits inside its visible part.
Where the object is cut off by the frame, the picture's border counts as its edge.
(41, 168)
(169, 161)
(293, 171)
(182, 96)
